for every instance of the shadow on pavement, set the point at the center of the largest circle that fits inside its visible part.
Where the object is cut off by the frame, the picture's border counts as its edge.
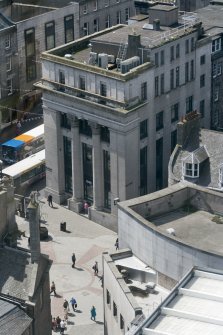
(78, 269)
(99, 322)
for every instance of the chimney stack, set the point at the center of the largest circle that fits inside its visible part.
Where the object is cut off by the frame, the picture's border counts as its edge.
(33, 210)
(156, 24)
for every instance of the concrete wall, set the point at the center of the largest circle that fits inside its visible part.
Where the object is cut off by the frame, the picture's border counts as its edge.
(121, 295)
(167, 255)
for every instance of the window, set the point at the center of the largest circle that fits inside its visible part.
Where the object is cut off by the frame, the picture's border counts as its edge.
(156, 59)
(192, 44)
(85, 129)
(103, 89)
(7, 41)
(143, 171)
(127, 14)
(107, 178)
(9, 86)
(30, 54)
(143, 129)
(65, 121)
(202, 108)
(186, 72)
(186, 46)
(95, 5)
(159, 163)
(189, 104)
(156, 86)
(172, 53)
(178, 50)
(85, 8)
(159, 120)
(69, 28)
(86, 28)
(115, 311)
(191, 170)
(108, 297)
(8, 63)
(202, 80)
(216, 94)
(122, 323)
(106, 3)
(105, 134)
(174, 112)
(107, 21)
(61, 77)
(216, 45)
(177, 76)
(50, 35)
(162, 83)
(202, 60)
(192, 69)
(144, 91)
(82, 84)
(118, 17)
(171, 79)
(96, 25)
(216, 69)
(162, 57)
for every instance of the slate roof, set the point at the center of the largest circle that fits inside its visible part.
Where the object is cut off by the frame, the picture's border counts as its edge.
(13, 320)
(209, 172)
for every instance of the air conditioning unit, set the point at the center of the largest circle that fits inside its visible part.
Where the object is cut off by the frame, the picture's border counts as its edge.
(93, 58)
(68, 56)
(111, 59)
(103, 60)
(129, 64)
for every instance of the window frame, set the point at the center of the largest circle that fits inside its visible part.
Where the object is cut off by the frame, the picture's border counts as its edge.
(49, 35)
(174, 111)
(194, 169)
(159, 120)
(9, 87)
(69, 27)
(8, 41)
(216, 45)
(143, 129)
(8, 62)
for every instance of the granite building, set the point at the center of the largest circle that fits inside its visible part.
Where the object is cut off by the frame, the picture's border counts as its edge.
(111, 105)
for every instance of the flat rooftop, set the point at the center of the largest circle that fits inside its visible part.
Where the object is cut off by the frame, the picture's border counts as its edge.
(197, 228)
(147, 301)
(194, 307)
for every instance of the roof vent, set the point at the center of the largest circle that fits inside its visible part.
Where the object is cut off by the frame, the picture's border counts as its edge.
(68, 56)
(171, 231)
(156, 24)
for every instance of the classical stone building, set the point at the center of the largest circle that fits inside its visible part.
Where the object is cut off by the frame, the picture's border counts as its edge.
(30, 27)
(111, 108)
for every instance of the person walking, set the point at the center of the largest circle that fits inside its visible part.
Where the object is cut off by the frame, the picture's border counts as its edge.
(86, 206)
(50, 200)
(93, 313)
(73, 303)
(62, 327)
(53, 288)
(58, 320)
(66, 305)
(95, 268)
(116, 244)
(73, 260)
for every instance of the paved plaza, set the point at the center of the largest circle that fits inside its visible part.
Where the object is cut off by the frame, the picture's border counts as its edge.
(88, 241)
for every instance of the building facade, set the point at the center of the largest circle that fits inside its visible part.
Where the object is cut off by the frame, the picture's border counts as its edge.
(36, 26)
(111, 108)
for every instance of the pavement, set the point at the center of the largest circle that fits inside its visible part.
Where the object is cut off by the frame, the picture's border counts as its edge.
(88, 241)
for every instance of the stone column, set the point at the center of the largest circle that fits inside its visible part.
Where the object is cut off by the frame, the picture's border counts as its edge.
(98, 192)
(77, 178)
(34, 228)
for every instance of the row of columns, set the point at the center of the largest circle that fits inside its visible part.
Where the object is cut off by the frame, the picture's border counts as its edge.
(77, 175)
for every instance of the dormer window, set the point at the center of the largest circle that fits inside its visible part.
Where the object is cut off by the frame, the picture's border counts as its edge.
(191, 170)
(192, 163)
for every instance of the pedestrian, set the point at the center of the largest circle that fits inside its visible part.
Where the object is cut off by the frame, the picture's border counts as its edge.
(86, 206)
(66, 305)
(73, 260)
(93, 313)
(50, 200)
(62, 327)
(73, 303)
(66, 315)
(58, 320)
(101, 279)
(53, 288)
(116, 244)
(95, 268)
(54, 324)
(18, 127)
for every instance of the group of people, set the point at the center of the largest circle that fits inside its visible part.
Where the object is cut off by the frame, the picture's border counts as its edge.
(58, 324)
